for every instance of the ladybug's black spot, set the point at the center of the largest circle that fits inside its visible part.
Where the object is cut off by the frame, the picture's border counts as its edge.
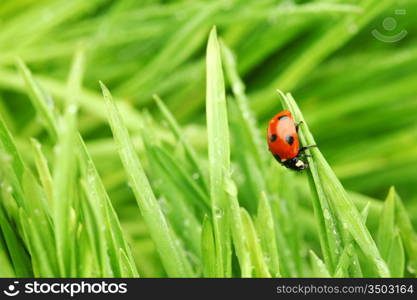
(282, 118)
(289, 139)
(273, 137)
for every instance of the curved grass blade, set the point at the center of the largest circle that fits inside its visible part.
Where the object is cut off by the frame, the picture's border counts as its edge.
(328, 185)
(388, 238)
(7, 269)
(208, 249)
(319, 268)
(408, 235)
(116, 240)
(257, 257)
(329, 241)
(41, 100)
(43, 170)
(265, 227)
(18, 255)
(12, 166)
(170, 250)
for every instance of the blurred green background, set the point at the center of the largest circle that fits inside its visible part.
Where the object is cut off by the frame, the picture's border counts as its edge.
(351, 66)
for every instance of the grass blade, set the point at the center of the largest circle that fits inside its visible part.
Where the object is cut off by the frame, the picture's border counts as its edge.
(219, 153)
(386, 228)
(170, 250)
(319, 268)
(332, 188)
(42, 101)
(208, 249)
(257, 257)
(408, 235)
(265, 226)
(43, 170)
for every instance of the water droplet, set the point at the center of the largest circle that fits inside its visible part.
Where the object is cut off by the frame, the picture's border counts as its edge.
(218, 212)
(195, 176)
(411, 269)
(230, 188)
(326, 214)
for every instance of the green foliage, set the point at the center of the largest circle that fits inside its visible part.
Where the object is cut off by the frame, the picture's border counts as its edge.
(183, 186)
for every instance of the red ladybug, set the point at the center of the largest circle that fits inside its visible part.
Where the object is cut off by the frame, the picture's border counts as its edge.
(283, 141)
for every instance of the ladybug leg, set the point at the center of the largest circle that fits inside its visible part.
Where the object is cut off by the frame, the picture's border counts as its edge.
(297, 125)
(304, 155)
(302, 149)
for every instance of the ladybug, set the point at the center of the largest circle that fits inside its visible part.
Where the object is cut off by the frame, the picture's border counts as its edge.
(283, 141)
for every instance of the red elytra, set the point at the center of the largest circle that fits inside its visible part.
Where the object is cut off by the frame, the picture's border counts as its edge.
(282, 136)
(283, 141)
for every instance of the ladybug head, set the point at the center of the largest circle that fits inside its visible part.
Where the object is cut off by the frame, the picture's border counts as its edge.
(295, 164)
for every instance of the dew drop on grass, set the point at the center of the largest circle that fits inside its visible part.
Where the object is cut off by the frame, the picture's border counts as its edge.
(38, 146)
(411, 269)
(164, 205)
(326, 214)
(230, 188)
(195, 176)
(218, 212)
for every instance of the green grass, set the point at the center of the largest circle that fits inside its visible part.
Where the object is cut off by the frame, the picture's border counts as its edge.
(163, 169)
